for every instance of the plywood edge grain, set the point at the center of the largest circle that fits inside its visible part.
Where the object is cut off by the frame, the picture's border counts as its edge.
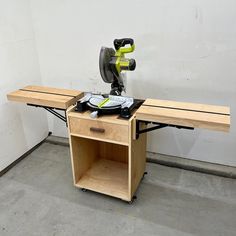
(113, 119)
(44, 96)
(100, 139)
(212, 124)
(49, 100)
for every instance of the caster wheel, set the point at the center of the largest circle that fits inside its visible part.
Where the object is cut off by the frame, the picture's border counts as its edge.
(145, 173)
(132, 200)
(83, 189)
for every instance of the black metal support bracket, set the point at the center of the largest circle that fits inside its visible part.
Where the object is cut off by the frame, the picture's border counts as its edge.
(157, 126)
(53, 111)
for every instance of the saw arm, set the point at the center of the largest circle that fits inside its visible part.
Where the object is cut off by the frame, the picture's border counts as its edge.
(113, 62)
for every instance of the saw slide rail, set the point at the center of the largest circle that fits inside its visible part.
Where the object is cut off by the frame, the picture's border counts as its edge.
(163, 113)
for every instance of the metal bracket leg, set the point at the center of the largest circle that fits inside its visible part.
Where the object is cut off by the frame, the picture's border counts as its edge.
(157, 126)
(52, 111)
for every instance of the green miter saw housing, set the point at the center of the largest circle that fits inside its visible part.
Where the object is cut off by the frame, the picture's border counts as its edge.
(121, 62)
(113, 62)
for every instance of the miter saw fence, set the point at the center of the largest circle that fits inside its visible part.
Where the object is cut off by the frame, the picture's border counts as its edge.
(113, 62)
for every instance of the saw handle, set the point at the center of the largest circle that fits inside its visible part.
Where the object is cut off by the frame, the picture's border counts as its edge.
(119, 43)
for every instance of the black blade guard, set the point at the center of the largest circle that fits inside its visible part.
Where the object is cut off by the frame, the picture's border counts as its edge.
(105, 57)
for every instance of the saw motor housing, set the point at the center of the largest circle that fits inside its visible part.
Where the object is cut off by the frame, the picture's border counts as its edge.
(113, 62)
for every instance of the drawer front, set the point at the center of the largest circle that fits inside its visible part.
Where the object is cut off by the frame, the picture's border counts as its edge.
(99, 130)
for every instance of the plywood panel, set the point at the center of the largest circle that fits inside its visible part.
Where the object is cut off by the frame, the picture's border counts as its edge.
(99, 130)
(57, 91)
(44, 96)
(114, 119)
(107, 177)
(113, 152)
(137, 159)
(183, 114)
(84, 152)
(187, 106)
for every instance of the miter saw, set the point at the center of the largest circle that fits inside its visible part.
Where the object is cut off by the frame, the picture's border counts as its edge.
(111, 64)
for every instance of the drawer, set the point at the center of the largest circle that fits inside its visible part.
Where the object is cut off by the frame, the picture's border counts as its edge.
(99, 130)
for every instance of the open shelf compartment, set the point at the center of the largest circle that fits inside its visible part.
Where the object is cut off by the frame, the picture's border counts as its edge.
(100, 166)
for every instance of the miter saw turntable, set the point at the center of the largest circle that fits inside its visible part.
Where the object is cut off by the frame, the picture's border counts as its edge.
(111, 63)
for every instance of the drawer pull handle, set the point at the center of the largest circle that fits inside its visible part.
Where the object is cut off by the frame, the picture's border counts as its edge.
(99, 130)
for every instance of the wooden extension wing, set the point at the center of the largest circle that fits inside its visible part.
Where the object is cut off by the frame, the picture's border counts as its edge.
(185, 114)
(45, 96)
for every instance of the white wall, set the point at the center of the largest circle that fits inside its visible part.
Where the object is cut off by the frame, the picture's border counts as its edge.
(185, 51)
(21, 127)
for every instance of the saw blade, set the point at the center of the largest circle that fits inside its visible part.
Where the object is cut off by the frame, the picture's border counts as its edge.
(104, 66)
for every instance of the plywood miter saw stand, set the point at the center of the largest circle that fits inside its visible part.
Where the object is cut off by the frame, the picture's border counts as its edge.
(107, 132)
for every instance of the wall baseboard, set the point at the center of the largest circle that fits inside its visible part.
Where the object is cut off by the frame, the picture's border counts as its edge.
(161, 159)
(192, 165)
(5, 170)
(173, 161)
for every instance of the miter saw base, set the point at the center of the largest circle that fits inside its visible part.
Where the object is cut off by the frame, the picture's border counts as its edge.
(108, 104)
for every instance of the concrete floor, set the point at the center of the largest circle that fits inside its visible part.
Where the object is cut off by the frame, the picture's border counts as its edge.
(37, 197)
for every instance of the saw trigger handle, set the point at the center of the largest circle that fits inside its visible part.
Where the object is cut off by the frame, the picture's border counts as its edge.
(119, 43)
